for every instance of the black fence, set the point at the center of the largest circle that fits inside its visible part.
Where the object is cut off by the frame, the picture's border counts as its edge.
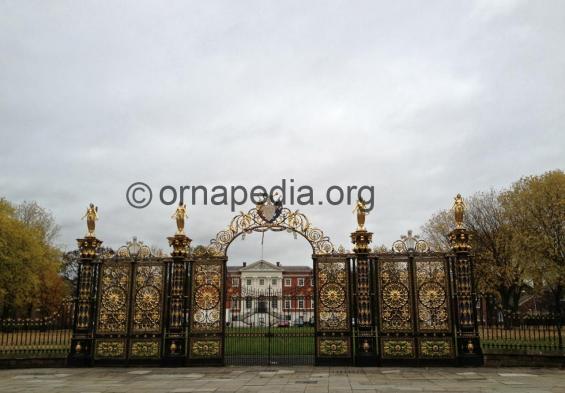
(528, 329)
(47, 337)
(277, 328)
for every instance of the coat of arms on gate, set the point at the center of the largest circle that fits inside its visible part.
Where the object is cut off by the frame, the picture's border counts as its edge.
(270, 208)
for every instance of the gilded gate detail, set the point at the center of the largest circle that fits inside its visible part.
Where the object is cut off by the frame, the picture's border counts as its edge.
(433, 301)
(148, 289)
(395, 299)
(207, 296)
(114, 299)
(405, 305)
(333, 311)
(207, 320)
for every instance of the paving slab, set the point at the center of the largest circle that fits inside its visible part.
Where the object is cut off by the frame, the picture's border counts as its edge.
(282, 380)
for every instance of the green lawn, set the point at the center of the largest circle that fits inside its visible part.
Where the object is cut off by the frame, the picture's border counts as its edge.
(279, 341)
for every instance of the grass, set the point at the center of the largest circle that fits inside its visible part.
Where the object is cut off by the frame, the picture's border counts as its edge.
(292, 341)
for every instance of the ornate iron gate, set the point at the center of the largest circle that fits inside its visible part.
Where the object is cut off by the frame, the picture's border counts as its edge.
(415, 308)
(128, 325)
(333, 315)
(366, 308)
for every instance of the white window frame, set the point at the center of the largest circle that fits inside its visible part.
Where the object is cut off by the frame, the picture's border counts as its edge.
(261, 281)
(249, 282)
(301, 281)
(235, 282)
(288, 282)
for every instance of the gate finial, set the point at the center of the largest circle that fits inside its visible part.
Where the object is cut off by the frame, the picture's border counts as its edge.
(361, 208)
(180, 214)
(459, 238)
(91, 216)
(459, 210)
(361, 238)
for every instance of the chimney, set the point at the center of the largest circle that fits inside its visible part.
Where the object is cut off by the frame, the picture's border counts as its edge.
(244, 264)
(278, 264)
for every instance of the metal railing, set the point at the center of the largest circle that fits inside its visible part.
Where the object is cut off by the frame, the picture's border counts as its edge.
(515, 331)
(48, 337)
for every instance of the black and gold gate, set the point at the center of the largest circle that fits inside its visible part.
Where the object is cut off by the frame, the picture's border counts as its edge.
(408, 305)
(414, 308)
(125, 322)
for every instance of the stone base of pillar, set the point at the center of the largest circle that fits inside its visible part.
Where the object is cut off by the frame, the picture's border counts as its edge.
(82, 351)
(469, 351)
(366, 355)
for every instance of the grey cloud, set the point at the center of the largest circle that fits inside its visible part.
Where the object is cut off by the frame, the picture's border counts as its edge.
(421, 101)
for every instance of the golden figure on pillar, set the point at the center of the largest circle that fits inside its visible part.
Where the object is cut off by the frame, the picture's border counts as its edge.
(91, 217)
(459, 210)
(361, 209)
(180, 214)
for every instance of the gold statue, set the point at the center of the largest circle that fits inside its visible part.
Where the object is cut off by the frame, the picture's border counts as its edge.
(459, 209)
(91, 217)
(180, 215)
(361, 208)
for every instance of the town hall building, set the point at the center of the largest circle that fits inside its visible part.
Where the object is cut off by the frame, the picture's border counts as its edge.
(269, 294)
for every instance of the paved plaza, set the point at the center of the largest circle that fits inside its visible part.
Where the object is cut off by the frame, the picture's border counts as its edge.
(283, 380)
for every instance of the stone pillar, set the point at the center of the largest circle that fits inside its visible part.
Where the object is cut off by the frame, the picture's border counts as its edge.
(467, 336)
(82, 348)
(364, 331)
(175, 349)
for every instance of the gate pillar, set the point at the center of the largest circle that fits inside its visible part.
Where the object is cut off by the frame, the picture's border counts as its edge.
(175, 348)
(82, 348)
(467, 335)
(364, 330)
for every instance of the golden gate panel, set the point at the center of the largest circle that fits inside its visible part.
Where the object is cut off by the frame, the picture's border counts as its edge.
(395, 296)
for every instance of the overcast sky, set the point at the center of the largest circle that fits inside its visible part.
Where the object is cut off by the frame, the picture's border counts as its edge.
(422, 100)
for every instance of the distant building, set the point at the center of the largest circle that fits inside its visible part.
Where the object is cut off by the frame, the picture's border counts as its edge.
(263, 293)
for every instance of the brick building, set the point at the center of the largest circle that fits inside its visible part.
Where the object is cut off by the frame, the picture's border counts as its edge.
(262, 293)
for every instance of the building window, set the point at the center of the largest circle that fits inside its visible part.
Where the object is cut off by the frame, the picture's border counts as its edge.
(262, 281)
(288, 282)
(274, 281)
(311, 303)
(234, 303)
(248, 303)
(248, 281)
(287, 303)
(274, 303)
(300, 281)
(300, 303)
(235, 282)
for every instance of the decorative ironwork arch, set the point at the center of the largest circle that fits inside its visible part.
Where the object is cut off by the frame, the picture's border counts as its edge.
(288, 220)
(409, 243)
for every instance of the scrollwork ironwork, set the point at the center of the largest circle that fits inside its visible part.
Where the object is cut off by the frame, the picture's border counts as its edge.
(112, 315)
(432, 305)
(410, 243)
(396, 310)
(207, 307)
(134, 249)
(148, 289)
(287, 220)
(333, 308)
